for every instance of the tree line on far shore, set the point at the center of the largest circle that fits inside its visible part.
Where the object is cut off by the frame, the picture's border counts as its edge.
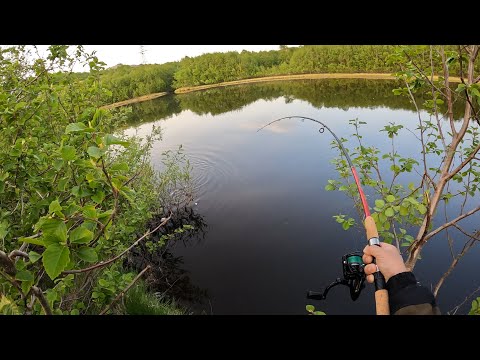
(126, 82)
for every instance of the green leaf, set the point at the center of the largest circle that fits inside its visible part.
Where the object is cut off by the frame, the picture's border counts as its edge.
(56, 208)
(379, 203)
(105, 214)
(89, 211)
(329, 187)
(20, 264)
(87, 254)
(95, 152)
(3, 230)
(403, 211)
(81, 235)
(98, 196)
(382, 217)
(319, 313)
(119, 167)
(412, 200)
(98, 116)
(75, 127)
(460, 88)
(26, 285)
(52, 295)
(389, 212)
(390, 198)
(62, 184)
(421, 209)
(24, 275)
(20, 105)
(34, 256)
(55, 259)
(112, 140)
(54, 230)
(346, 225)
(68, 153)
(36, 241)
(57, 164)
(475, 91)
(339, 218)
(310, 308)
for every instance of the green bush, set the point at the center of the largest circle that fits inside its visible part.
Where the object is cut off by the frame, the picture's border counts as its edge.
(73, 192)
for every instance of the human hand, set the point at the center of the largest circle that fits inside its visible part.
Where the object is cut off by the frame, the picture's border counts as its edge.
(387, 258)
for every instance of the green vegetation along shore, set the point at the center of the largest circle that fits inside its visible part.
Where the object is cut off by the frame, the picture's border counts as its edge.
(126, 82)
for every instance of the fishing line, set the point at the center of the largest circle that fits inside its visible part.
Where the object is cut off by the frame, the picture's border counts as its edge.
(363, 199)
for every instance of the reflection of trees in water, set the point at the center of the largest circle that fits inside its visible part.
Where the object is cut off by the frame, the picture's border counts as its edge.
(329, 93)
(156, 109)
(167, 275)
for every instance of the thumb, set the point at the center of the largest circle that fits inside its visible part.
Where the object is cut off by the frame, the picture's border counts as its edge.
(373, 250)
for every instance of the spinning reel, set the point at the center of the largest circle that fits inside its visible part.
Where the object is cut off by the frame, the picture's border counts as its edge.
(353, 277)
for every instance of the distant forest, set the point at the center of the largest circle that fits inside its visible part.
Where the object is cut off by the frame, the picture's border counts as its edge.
(126, 82)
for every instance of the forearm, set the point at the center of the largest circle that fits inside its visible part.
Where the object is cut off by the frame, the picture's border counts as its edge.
(408, 297)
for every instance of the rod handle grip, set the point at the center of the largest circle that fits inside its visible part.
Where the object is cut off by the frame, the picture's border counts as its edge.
(381, 293)
(371, 228)
(381, 302)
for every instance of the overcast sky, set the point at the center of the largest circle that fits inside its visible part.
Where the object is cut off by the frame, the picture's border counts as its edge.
(158, 54)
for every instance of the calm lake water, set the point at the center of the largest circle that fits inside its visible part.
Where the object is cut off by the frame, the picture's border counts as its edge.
(269, 235)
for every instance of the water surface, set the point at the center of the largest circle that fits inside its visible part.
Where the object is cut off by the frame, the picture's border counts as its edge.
(269, 234)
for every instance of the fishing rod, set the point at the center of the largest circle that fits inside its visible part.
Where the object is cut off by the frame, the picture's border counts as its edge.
(352, 263)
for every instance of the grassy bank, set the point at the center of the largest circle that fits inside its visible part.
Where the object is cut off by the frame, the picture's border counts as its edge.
(134, 100)
(185, 90)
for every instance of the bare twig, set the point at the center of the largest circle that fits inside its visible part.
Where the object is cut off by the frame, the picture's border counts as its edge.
(468, 245)
(439, 124)
(449, 238)
(420, 241)
(455, 309)
(464, 162)
(7, 264)
(41, 298)
(450, 223)
(395, 235)
(421, 130)
(467, 188)
(15, 284)
(422, 73)
(39, 294)
(448, 94)
(16, 253)
(475, 236)
(123, 292)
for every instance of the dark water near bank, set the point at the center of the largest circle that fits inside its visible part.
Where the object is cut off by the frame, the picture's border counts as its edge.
(269, 235)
